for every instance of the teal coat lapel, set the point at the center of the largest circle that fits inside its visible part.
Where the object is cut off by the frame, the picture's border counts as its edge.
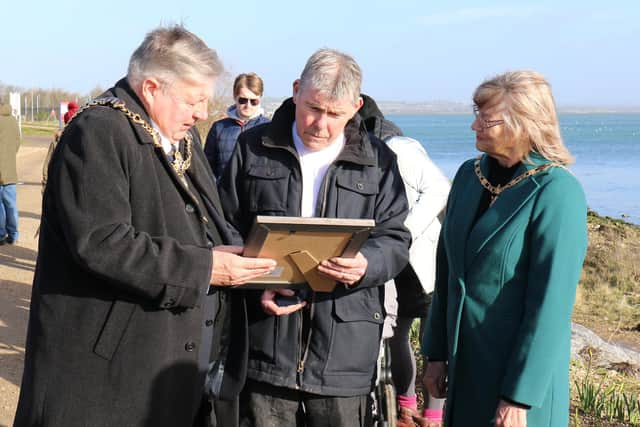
(505, 208)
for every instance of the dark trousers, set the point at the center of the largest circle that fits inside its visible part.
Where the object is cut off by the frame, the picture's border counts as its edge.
(217, 413)
(264, 405)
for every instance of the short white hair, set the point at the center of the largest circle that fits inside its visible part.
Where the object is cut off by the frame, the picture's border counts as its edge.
(171, 54)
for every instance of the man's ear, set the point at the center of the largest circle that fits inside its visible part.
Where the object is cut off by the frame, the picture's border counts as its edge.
(150, 89)
(296, 90)
(359, 103)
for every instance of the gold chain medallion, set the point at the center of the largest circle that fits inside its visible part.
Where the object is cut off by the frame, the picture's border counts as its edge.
(496, 190)
(179, 164)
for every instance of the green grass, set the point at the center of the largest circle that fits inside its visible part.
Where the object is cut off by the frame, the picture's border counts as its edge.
(44, 128)
(38, 129)
(603, 397)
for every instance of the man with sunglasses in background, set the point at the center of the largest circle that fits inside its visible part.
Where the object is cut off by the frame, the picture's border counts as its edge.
(244, 114)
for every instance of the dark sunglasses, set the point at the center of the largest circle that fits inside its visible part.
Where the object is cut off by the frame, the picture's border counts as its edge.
(242, 100)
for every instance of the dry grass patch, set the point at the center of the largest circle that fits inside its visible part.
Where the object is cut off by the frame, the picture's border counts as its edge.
(608, 298)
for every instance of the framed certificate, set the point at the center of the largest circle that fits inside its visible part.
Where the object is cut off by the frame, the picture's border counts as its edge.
(299, 245)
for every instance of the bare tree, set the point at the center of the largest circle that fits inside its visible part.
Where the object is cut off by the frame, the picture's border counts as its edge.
(96, 92)
(222, 98)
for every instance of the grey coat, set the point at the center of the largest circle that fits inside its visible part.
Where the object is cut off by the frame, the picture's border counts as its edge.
(119, 309)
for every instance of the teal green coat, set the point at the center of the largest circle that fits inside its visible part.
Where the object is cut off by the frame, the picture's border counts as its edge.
(505, 288)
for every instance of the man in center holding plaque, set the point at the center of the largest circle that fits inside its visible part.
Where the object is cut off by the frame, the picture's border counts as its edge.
(314, 363)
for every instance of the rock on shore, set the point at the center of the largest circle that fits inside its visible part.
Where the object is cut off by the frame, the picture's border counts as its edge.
(586, 345)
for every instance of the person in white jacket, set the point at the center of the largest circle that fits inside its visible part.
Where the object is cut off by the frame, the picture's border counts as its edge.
(408, 296)
(427, 189)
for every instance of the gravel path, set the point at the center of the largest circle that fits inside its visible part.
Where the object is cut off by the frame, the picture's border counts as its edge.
(17, 263)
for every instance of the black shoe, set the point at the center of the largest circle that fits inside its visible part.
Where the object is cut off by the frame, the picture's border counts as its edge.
(4, 240)
(10, 240)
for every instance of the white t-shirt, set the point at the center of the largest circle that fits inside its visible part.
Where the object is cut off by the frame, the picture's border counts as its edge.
(314, 165)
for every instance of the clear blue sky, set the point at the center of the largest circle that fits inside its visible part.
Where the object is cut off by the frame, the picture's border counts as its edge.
(410, 50)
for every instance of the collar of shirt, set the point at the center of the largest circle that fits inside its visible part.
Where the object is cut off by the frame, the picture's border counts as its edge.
(166, 142)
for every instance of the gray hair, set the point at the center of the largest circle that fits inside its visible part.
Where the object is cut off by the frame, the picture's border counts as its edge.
(171, 54)
(332, 72)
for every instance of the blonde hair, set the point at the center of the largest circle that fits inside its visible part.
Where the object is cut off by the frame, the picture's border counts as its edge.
(172, 54)
(530, 112)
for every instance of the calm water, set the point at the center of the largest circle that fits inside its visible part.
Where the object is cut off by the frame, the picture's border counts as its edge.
(606, 148)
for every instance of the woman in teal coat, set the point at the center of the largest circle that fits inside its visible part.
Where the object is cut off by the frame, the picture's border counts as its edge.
(509, 259)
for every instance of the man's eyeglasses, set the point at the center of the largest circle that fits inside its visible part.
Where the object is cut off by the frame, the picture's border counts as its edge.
(485, 124)
(191, 106)
(254, 101)
(198, 105)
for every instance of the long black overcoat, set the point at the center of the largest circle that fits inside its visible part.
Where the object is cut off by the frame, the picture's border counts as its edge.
(117, 312)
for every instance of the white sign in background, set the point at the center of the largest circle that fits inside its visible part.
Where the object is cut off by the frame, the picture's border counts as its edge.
(14, 101)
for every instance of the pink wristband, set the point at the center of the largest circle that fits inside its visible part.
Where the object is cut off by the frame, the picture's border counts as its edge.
(432, 414)
(408, 401)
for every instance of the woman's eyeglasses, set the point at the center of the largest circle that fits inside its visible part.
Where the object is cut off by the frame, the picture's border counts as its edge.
(254, 101)
(485, 124)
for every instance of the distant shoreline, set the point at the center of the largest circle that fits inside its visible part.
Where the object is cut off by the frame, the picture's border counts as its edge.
(560, 111)
(418, 109)
(450, 107)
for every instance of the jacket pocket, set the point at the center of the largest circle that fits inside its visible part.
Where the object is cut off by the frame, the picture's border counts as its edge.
(356, 332)
(356, 197)
(268, 187)
(113, 329)
(263, 335)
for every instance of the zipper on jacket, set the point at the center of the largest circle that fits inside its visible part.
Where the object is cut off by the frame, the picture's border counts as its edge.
(300, 368)
(323, 206)
(304, 346)
(324, 192)
(307, 344)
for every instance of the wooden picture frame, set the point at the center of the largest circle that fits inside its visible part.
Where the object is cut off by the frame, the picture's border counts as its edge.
(299, 245)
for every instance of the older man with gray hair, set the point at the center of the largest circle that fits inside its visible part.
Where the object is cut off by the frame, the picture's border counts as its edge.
(124, 317)
(313, 363)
